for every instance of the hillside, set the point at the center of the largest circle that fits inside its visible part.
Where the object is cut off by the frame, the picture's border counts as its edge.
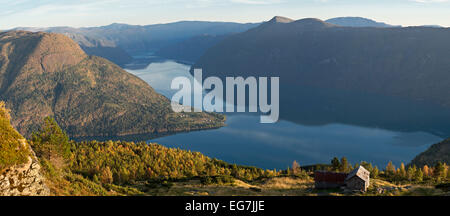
(44, 74)
(190, 50)
(19, 168)
(393, 61)
(123, 168)
(102, 48)
(439, 152)
(12, 151)
(389, 75)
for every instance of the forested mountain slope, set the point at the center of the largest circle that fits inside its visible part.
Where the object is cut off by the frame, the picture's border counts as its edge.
(47, 74)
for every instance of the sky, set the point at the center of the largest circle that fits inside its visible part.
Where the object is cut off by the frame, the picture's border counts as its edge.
(86, 13)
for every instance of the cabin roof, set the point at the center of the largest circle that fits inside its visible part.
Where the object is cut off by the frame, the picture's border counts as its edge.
(360, 172)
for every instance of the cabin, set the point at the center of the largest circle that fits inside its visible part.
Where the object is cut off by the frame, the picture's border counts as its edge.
(356, 180)
(325, 180)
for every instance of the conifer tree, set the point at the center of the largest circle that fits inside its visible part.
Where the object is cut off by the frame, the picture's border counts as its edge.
(410, 173)
(402, 170)
(439, 170)
(51, 141)
(335, 164)
(418, 175)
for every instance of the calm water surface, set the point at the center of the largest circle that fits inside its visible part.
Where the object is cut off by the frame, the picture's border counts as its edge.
(245, 141)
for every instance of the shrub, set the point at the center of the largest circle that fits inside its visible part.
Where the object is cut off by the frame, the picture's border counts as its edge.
(13, 148)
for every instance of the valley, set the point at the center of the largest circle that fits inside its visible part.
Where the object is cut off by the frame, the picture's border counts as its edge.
(88, 111)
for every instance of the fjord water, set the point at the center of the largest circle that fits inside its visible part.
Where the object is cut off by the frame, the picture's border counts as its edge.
(246, 141)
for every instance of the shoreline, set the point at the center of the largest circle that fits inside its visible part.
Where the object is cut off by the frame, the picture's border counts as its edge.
(143, 137)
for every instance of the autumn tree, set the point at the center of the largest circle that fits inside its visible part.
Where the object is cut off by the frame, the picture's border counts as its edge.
(295, 168)
(344, 165)
(426, 170)
(375, 172)
(106, 176)
(390, 168)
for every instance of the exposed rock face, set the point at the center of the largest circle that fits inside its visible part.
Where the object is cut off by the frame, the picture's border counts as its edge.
(23, 180)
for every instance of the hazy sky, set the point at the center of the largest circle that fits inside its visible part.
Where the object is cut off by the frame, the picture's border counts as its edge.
(45, 13)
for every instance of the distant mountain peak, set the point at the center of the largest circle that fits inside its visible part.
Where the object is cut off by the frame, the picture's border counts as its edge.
(432, 26)
(117, 26)
(306, 24)
(358, 22)
(280, 19)
(313, 22)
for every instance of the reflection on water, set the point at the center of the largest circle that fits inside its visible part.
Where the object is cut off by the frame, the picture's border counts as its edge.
(246, 141)
(318, 128)
(160, 74)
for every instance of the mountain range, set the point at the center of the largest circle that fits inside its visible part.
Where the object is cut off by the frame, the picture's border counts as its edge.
(118, 42)
(184, 40)
(48, 74)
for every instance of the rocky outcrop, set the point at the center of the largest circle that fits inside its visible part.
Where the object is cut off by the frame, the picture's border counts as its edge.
(23, 180)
